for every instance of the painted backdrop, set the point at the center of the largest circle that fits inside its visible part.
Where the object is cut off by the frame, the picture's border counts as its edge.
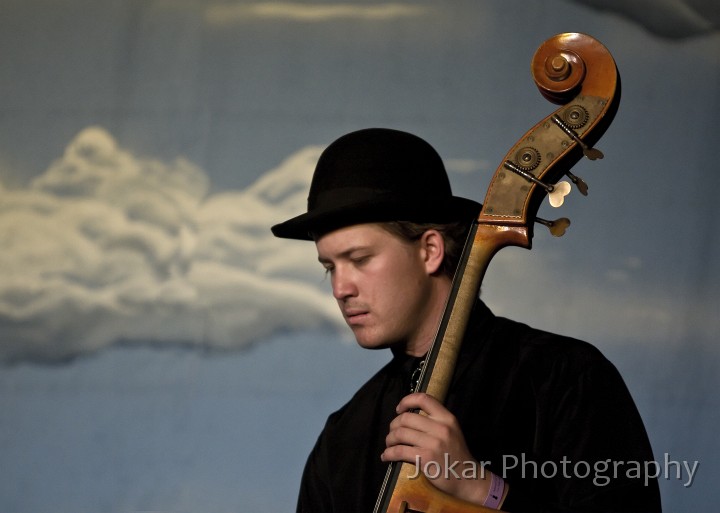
(160, 350)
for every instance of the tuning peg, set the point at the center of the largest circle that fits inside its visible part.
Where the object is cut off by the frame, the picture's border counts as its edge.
(557, 228)
(589, 152)
(579, 183)
(557, 194)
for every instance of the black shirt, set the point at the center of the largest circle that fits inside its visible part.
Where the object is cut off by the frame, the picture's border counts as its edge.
(548, 413)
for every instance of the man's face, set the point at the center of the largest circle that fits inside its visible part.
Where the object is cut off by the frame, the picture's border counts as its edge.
(382, 284)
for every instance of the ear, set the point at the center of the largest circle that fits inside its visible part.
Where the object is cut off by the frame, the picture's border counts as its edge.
(432, 246)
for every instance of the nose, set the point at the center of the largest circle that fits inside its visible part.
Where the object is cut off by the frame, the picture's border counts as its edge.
(343, 285)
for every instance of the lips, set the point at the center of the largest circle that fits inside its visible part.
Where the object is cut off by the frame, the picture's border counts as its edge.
(355, 315)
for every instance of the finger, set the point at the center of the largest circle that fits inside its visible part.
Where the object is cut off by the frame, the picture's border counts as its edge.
(413, 421)
(410, 437)
(416, 400)
(405, 453)
(428, 404)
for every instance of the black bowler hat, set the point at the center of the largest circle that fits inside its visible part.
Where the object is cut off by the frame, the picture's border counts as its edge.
(377, 175)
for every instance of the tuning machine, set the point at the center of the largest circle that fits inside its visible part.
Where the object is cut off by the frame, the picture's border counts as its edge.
(579, 183)
(557, 227)
(591, 153)
(556, 193)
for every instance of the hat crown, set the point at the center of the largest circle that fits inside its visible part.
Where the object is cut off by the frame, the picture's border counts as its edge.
(379, 161)
(377, 175)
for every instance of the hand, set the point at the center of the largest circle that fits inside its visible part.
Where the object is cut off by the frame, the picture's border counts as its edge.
(436, 443)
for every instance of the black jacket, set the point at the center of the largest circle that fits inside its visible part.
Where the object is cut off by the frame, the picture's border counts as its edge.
(550, 414)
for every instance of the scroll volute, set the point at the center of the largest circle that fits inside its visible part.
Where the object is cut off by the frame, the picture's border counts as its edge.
(573, 70)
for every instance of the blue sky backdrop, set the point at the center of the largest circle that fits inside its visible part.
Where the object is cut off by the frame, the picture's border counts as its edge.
(160, 350)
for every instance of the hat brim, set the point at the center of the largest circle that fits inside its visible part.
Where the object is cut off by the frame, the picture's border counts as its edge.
(379, 208)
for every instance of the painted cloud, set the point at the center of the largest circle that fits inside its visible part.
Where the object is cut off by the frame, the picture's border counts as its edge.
(106, 247)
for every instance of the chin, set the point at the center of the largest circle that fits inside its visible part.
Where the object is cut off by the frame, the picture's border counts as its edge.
(366, 344)
(372, 342)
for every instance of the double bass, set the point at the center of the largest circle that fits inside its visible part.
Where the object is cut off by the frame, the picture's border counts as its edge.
(578, 73)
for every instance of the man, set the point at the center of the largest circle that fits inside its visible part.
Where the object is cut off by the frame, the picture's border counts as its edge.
(546, 419)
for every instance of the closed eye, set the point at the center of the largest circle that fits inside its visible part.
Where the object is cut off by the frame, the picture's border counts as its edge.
(361, 260)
